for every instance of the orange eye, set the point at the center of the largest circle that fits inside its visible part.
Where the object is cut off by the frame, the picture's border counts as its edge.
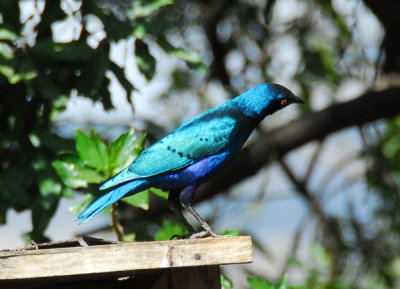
(284, 101)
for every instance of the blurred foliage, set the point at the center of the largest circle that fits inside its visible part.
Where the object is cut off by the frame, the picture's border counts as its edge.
(39, 74)
(382, 242)
(258, 283)
(316, 274)
(225, 282)
(168, 229)
(229, 233)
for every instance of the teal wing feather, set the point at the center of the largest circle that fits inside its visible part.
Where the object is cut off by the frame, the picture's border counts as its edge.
(204, 135)
(185, 146)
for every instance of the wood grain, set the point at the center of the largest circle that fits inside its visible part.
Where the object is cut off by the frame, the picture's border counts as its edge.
(123, 259)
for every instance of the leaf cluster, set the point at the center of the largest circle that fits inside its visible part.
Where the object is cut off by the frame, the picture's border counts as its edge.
(94, 162)
(37, 77)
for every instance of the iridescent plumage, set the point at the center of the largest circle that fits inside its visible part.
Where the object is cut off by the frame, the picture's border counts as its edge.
(194, 152)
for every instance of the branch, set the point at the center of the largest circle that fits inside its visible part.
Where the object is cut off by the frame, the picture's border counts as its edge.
(389, 17)
(219, 50)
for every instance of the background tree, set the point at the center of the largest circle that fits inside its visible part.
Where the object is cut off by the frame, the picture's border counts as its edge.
(235, 45)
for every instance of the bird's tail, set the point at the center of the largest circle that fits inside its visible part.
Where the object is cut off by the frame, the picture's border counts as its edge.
(125, 190)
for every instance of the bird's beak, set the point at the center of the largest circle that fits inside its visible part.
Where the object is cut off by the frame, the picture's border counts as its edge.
(298, 100)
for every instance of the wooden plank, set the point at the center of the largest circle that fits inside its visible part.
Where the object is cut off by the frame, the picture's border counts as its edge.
(175, 278)
(195, 277)
(125, 258)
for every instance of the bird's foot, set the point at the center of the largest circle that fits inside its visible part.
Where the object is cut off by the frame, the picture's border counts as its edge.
(204, 234)
(181, 237)
(201, 234)
(197, 235)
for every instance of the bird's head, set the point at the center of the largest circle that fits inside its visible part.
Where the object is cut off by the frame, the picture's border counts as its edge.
(265, 99)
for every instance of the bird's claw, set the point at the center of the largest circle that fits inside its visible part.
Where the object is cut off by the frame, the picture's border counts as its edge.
(204, 234)
(181, 237)
(196, 235)
(201, 234)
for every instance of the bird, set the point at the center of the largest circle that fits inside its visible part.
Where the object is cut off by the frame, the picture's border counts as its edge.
(193, 153)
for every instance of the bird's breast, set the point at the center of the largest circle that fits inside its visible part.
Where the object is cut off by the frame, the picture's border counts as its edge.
(194, 174)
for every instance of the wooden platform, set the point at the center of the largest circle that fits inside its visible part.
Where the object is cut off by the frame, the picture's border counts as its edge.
(192, 263)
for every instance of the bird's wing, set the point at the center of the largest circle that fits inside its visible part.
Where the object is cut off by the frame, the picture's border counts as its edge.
(188, 144)
(204, 135)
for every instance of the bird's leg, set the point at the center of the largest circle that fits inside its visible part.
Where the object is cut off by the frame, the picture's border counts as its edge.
(175, 206)
(186, 198)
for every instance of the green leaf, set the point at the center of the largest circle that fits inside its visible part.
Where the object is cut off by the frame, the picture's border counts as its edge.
(10, 68)
(145, 61)
(92, 150)
(140, 145)
(129, 237)
(49, 186)
(391, 147)
(181, 79)
(17, 77)
(232, 232)
(78, 207)
(6, 52)
(101, 148)
(321, 255)
(68, 193)
(139, 31)
(7, 71)
(160, 193)
(169, 229)
(6, 34)
(140, 200)
(257, 283)
(73, 172)
(121, 151)
(225, 282)
(192, 57)
(90, 175)
(283, 284)
(34, 139)
(139, 10)
(67, 173)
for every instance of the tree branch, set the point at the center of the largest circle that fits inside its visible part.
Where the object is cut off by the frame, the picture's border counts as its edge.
(389, 17)
(217, 11)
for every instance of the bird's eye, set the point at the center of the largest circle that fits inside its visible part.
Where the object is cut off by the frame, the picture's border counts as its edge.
(284, 101)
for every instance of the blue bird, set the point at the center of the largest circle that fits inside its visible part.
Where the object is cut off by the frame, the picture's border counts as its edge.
(194, 152)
